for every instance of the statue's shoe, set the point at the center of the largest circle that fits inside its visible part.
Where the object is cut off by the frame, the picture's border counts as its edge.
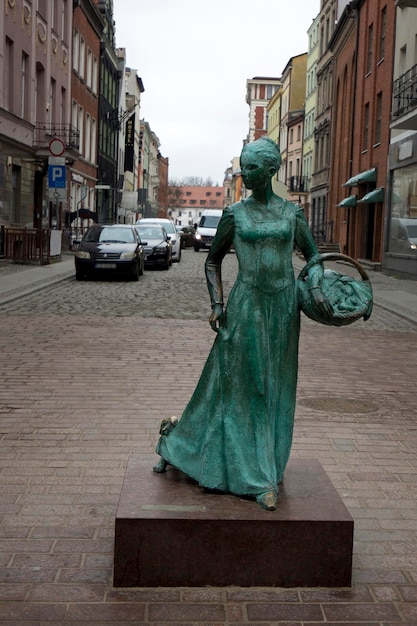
(268, 500)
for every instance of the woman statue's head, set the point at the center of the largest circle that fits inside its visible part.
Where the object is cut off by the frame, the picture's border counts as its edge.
(266, 150)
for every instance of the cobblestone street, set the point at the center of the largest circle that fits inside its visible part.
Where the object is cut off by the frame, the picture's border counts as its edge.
(89, 368)
(180, 293)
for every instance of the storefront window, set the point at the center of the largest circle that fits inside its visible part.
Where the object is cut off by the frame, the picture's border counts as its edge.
(402, 237)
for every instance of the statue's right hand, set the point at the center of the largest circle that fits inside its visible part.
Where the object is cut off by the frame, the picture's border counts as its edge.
(216, 317)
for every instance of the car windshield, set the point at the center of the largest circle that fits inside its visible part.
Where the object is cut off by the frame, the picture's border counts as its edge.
(210, 221)
(168, 225)
(107, 234)
(150, 232)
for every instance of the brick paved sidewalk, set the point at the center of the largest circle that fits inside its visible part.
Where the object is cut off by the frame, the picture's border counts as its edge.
(69, 422)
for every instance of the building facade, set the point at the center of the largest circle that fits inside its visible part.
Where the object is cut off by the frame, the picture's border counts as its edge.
(108, 137)
(129, 137)
(192, 200)
(86, 37)
(259, 90)
(364, 96)
(400, 244)
(292, 96)
(309, 116)
(320, 221)
(35, 109)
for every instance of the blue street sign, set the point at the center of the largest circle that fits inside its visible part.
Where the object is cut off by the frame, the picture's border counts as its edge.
(56, 176)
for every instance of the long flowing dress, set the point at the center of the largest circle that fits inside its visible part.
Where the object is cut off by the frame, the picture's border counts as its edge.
(235, 434)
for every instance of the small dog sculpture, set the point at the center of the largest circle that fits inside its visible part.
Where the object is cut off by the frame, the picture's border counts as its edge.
(167, 425)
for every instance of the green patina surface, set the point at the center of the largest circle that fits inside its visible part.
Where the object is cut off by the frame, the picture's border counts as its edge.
(235, 434)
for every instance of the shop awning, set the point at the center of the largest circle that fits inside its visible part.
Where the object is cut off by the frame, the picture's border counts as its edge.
(377, 195)
(364, 177)
(350, 201)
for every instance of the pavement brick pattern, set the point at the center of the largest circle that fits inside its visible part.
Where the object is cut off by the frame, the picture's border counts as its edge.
(87, 372)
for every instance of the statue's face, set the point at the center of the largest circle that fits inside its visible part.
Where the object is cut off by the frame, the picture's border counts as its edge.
(255, 173)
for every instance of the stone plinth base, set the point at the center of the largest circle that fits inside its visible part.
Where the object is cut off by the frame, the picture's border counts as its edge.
(172, 533)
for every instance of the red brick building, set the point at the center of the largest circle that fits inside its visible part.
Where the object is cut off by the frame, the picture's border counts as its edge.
(87, 29)
(363, 45)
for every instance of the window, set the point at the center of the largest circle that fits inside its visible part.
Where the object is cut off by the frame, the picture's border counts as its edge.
(93, 140)
(95, 75)
(63, 106)
(402, 64)
(88, 144)
(202, 202)
(89, 68)
(64, 20)
(378, 120)
(403, 222)
(24, 77)
(82, 58)
(41, 8)
(74, 114)
(291, 135)
(80, 126)
(52, 100)
(365, 127)
(370, 48)
(53, 15)
(8, 75)
(383, 33)
(75, 50)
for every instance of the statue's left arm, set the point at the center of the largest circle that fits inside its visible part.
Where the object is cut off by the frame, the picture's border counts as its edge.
(221, 244)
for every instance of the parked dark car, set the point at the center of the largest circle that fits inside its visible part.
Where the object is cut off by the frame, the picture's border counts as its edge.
(172, 233)
(110, 248)
(157, 245)
(187, 234)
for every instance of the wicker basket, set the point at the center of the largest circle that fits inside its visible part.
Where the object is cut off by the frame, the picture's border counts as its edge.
(350, 299)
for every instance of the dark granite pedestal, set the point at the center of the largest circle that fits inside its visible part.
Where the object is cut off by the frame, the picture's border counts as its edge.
(172, 533)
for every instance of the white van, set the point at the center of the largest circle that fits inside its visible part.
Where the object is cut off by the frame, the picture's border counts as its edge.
(207, 228)
(403, 235)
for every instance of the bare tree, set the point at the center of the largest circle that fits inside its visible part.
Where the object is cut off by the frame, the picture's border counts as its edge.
(192, 181)
(174, 194)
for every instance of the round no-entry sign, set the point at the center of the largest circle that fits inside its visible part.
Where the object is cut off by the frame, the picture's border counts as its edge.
(56, 147)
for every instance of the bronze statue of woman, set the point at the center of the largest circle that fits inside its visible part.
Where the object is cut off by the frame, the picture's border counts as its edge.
(235, 434)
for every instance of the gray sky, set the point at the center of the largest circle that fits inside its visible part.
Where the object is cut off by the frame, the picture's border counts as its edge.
(194, 58)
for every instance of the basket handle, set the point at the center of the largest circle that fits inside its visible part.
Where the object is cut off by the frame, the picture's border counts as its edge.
(333, 256)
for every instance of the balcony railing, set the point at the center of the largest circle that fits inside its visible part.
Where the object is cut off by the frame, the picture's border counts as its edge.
(405, 92)
(298, 184)
(44, 133)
